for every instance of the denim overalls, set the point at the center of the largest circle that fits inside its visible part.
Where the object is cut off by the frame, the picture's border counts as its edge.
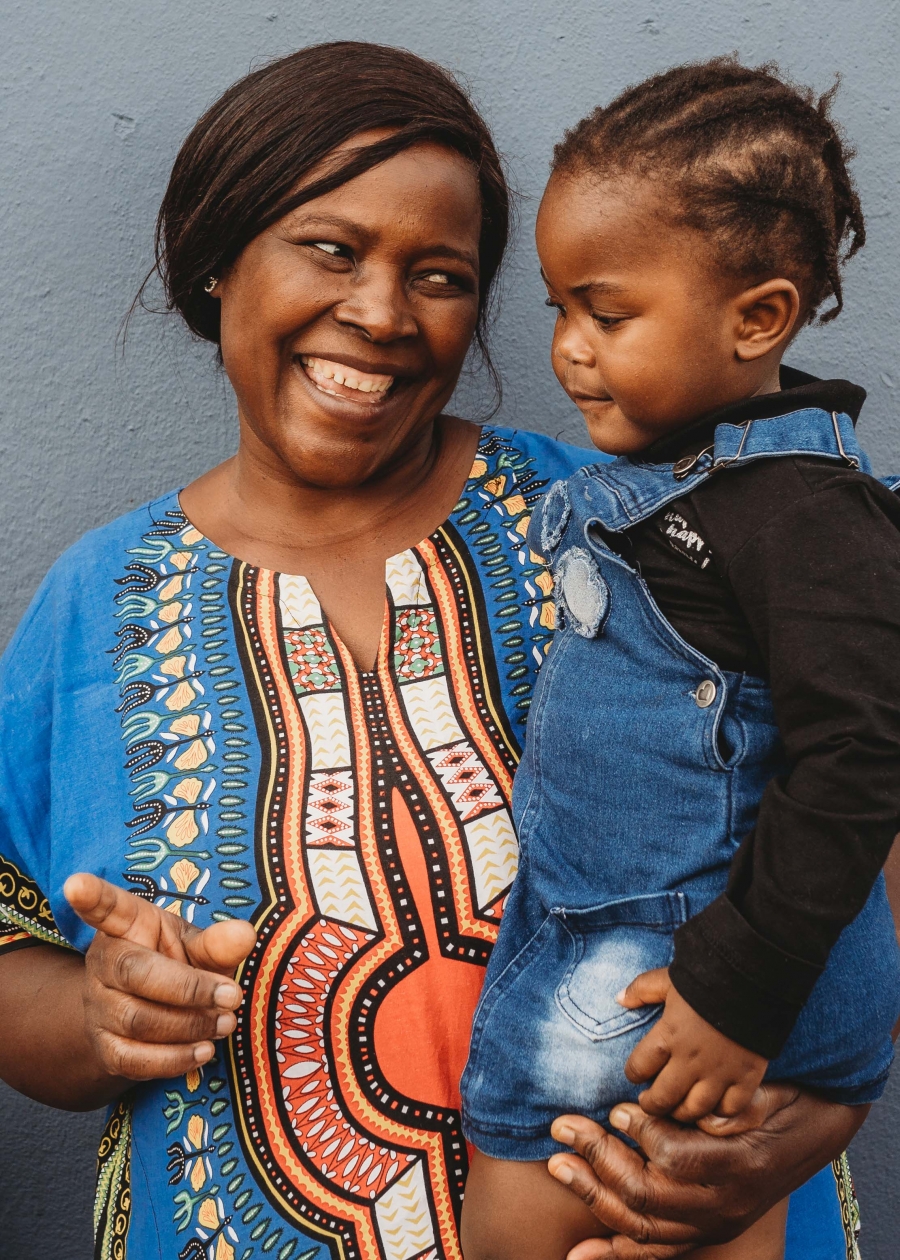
(643, 771)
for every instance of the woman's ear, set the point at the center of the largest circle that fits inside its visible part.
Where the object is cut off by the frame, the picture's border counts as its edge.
(766, 318)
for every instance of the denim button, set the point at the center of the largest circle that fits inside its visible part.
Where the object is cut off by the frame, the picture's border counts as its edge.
(705, 694)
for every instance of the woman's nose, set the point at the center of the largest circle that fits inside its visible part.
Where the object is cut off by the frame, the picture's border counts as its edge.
(378, 305)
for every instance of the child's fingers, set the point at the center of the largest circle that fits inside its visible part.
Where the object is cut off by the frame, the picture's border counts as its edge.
(736, 1099)
(731, 1126)
(648, 989)
(702, 1099)
(766, 1099)
(670, 1088)
(648, 1057)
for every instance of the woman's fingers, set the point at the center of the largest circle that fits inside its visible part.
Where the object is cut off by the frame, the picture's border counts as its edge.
(614, 1181)
(136, 1020)
(695, 1188)
(648, 989)
(112, 910)
(687, 1166)
(133, 969)
(142, 1061)
(221, 947)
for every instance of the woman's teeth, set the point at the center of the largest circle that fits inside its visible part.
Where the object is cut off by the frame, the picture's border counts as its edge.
(326, 375)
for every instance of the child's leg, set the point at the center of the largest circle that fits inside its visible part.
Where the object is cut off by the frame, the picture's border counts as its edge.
(517, 1211)
(762, 1241)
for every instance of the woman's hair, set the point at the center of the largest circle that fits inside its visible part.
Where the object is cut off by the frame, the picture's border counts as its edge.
(744, 156)
(238, 170)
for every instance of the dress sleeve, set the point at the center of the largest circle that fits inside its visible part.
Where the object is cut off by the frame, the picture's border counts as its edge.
(27, 683)
(818, 580)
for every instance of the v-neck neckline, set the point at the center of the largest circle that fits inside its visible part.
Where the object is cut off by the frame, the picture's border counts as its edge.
(275, 575)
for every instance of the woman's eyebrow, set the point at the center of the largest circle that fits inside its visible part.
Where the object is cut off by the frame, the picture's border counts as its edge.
(450, 251)
(316, 218)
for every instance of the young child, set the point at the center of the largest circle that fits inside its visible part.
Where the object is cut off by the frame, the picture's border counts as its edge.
(711, 781)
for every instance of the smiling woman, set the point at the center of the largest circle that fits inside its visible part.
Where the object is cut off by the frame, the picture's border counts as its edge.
(285, 704)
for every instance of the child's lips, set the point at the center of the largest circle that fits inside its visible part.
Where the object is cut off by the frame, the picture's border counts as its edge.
(589, 400)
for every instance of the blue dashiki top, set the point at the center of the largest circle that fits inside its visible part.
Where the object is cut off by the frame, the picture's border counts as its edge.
(192, 728)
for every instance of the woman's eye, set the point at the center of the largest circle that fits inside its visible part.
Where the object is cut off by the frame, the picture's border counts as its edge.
(328, 247)
(437, 277)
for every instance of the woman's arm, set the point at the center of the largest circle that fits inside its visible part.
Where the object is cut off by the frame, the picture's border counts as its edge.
(145, 1002)
(45, 1051)
(691, 1188)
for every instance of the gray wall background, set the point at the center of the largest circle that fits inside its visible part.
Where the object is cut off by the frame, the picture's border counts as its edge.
(96, 98)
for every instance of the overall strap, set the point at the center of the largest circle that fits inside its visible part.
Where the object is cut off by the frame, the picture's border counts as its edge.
(620, 494)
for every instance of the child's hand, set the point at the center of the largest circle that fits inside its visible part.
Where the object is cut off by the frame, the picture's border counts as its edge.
(698, 1070)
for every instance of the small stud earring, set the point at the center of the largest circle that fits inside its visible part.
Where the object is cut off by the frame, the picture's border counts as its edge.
(211, 284)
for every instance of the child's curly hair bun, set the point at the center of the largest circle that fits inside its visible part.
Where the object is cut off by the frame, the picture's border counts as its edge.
(747, 157)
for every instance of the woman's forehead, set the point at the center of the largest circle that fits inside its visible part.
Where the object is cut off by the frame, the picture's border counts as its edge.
(427, 188)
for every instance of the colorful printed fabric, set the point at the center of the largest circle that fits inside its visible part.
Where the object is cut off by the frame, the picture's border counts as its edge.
(190, 727)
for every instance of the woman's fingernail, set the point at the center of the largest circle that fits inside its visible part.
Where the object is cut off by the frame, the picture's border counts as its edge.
(620, 1119)
(564, 1133)
(562, 1172)
(224, 1025)
(203, 1053)
(620, 996)
(227, 995)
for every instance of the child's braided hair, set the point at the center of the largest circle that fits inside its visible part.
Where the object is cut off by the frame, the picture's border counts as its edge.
(746, 157)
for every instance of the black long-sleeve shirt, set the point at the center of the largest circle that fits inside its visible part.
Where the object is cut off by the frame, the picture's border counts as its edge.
(789, 569)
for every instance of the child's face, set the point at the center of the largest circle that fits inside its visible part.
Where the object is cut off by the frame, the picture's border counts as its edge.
(645, 335)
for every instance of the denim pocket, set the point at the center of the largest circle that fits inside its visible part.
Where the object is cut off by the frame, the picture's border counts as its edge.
(611, 944)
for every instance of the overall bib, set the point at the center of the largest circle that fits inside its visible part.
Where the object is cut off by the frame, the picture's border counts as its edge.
(643, 771)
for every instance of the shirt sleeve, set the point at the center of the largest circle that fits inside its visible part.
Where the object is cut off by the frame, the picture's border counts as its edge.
(813, 558)
(27, 679)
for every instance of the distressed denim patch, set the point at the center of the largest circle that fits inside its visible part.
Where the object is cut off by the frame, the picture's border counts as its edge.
(555, 511)
(584, 592)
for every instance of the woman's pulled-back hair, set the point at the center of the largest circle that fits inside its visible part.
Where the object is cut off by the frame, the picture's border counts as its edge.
(746, 157)
(238, 170)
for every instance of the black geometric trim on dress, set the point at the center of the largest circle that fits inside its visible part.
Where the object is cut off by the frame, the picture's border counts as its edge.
(24, 908)
(112, 1201)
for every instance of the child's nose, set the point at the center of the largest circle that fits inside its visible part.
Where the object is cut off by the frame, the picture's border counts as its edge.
(574, 348)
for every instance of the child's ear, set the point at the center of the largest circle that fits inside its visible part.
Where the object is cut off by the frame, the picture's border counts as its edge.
(766, 316)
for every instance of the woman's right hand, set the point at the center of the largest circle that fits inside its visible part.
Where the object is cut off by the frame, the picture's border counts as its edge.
(157, 990)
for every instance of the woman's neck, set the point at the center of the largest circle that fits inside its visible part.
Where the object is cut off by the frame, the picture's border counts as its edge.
(256, 508)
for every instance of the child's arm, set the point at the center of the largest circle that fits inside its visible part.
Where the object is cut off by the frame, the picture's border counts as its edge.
(698, 1070)
(811, 553)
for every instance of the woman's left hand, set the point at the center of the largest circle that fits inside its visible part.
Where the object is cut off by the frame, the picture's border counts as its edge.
(690, 1187)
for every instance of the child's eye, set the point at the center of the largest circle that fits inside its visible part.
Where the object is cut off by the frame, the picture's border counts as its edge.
(558, 306)
(607, 321)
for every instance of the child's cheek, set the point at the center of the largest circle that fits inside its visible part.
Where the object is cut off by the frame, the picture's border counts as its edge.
(557, 361)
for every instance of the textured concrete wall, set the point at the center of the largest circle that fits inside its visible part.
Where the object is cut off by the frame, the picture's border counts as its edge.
(97, 96)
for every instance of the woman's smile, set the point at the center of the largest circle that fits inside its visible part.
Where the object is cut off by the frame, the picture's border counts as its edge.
(343, 380)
